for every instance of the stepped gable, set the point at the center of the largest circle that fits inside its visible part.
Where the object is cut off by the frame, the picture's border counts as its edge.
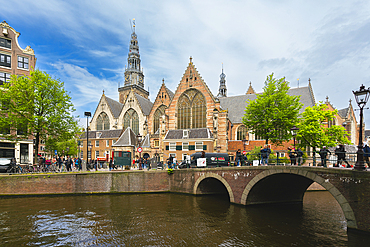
(128, 138)
(115, 106)
(145, 104)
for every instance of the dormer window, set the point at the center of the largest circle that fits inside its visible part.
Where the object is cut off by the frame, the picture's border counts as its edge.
(98, 134)
(185, 133)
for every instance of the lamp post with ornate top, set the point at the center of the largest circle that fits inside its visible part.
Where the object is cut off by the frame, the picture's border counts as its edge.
(362, 97)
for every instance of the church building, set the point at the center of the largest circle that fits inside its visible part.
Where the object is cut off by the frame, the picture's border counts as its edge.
(188, 120)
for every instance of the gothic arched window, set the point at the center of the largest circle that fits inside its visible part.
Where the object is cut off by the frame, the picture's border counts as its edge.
(241, 133)
(102, 122)
(191, 110)
(131, 119)
(157, 117)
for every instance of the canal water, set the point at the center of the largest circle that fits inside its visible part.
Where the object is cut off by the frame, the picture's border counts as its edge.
(169, 220)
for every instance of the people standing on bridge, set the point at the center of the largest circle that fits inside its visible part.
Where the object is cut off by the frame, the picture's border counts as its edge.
(69, 164)
(366, 154)
(340, 152)
(323, 155)
(265, 152)
(238, 157)
(292, 156)
(299, 156)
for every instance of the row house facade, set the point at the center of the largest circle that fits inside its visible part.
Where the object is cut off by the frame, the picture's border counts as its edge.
(14, 60)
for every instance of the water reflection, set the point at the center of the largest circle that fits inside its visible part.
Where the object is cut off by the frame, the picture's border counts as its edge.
(169, 220)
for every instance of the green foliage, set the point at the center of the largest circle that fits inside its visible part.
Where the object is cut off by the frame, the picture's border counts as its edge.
(274, 112)
(67, 147)
(314, 133)
(40, 104)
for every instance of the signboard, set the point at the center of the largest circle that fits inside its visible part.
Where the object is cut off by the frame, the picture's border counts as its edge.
(201, 162)
(56, 152)
(101, 159)
(139, 149)
(256, 162)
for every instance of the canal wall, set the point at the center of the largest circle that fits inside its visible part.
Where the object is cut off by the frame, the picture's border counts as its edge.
(81, 183)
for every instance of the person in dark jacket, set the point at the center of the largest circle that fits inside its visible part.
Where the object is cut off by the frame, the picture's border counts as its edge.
(299, 156)
(367, 154)
(292, 156)
(265, 153)
(238, 157)
(340, 152)
(323, 155)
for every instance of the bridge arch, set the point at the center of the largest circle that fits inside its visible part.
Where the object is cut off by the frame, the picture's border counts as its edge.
(305, 179)
(217, 177)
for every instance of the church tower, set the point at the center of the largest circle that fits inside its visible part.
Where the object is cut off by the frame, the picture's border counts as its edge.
(134, 76)
(222, 89)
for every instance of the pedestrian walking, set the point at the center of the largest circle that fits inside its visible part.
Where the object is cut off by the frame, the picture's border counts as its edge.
(69, 164)
(323, 155)
(265, 152)
(340, 152)
(238, 157)
(299, 156)
(292, 156)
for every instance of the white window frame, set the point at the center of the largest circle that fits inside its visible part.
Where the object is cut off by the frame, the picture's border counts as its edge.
(185, 133)
(96, 154)
(96, 143)
(23, 63)
(185, 146)
(197, 146)
(172, 146)
(156, 142)
(107, 143)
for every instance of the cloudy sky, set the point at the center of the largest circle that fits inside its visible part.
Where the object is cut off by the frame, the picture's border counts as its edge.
(85, 44)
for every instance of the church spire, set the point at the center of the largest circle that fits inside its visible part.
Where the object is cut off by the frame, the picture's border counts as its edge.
(222, 91)
(133, 73)
(250, 89)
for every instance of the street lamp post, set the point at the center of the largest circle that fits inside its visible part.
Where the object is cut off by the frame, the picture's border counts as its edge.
(294, 133)
(139, 147)
(87, 115)
(362, 97)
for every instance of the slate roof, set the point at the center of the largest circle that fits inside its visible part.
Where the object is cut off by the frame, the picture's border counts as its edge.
(105, 134)
(115, 106)
(367, 133)
(343, 112)
(145, 104)
(128, 138)
(170, 93)
(146, 142)
(236, 104)
(203, 133)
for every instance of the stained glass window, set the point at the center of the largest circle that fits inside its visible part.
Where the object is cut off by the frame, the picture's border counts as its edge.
(102, 123)
(191, 110)
(157, 117)
(131, 119)
(242, 133)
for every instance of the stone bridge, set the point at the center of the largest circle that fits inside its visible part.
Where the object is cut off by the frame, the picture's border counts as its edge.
(243, 185)
(282, 184)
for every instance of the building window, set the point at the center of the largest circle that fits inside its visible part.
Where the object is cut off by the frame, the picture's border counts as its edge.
(42, 148)
(102, 122)
(107, 143)
(96, 143)
(82, 154)
(156, 143)
(185, 146)
(5, 60)
(131, 119)
(191, 110)
(157, 117)
(5, 130)
(22, 129)
(89, 154)
(198, 146)
(172, 146)
(81, 144)
(96, 154)
(242, 133)
(4, 77)
(23, 62)
(5, 43)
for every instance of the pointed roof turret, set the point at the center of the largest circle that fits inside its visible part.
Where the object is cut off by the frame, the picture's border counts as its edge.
(222, 91)
(250, 89)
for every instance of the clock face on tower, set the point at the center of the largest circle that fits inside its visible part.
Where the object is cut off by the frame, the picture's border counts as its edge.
(127, 77)
(140, 79)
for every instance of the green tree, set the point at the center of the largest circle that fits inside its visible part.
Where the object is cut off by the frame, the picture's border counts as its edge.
(274, 112)
(39, 106)
(313, 132)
